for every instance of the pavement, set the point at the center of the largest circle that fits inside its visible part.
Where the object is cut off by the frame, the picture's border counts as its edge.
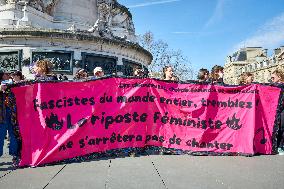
(152, 171)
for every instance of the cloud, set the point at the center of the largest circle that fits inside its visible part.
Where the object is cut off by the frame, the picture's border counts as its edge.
(218, 13)
(152, 3)
(270, 35)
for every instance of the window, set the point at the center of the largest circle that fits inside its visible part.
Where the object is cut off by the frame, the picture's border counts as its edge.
(10, 60)
(108, 63)
(130, 66)
(61, 60)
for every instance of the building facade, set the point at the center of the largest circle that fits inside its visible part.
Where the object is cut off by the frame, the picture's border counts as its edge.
(72, 34)
(254, 60)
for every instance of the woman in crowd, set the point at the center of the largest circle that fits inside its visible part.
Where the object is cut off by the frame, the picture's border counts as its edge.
(42, 70)
(81, 74)
(217, 74)
(203, 75)
(246, 78)
(98, 73)
(17, 76)
(277, 77)
(138, 72)
(7, 119)
(168, 74)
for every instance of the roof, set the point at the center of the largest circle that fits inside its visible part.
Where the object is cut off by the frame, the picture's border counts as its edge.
(240, 56)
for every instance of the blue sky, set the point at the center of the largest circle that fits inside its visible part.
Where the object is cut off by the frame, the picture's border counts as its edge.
(208, 30)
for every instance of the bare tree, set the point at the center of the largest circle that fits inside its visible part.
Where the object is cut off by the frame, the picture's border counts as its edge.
(164, 56)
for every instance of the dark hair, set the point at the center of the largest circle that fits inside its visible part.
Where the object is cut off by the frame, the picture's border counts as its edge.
(214, 72)
(164, 71)
(243, 77)
(78, 74)
(19, 74)
(216, 68)
(62, 77)
(279, 73)
(201, 74)
(1, 75)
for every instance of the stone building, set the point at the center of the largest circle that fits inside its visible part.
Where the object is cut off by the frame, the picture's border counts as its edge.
(72, 34)
(254, 60)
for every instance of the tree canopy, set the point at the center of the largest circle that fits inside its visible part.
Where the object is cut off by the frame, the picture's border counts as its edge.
(163, 56)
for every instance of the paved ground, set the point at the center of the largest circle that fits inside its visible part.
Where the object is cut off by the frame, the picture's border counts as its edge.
(149, 172)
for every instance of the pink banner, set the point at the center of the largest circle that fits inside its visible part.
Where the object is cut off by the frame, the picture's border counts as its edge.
(69, 119)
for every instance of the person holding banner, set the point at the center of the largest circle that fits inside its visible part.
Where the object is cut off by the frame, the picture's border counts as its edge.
(168, 74)
(217, 73)
(138, 72)
(277, 77)
(17, 76)
(42, 71)
(203, 75)
(246, 78)
(81, 74)
(98, 73)
(6, 119)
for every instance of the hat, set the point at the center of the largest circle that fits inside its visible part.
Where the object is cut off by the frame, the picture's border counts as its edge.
(98, 69)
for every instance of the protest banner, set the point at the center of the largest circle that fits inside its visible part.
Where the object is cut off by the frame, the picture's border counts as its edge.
(64, 120)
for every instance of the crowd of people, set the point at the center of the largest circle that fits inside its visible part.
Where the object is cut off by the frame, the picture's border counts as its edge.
(42, 71)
